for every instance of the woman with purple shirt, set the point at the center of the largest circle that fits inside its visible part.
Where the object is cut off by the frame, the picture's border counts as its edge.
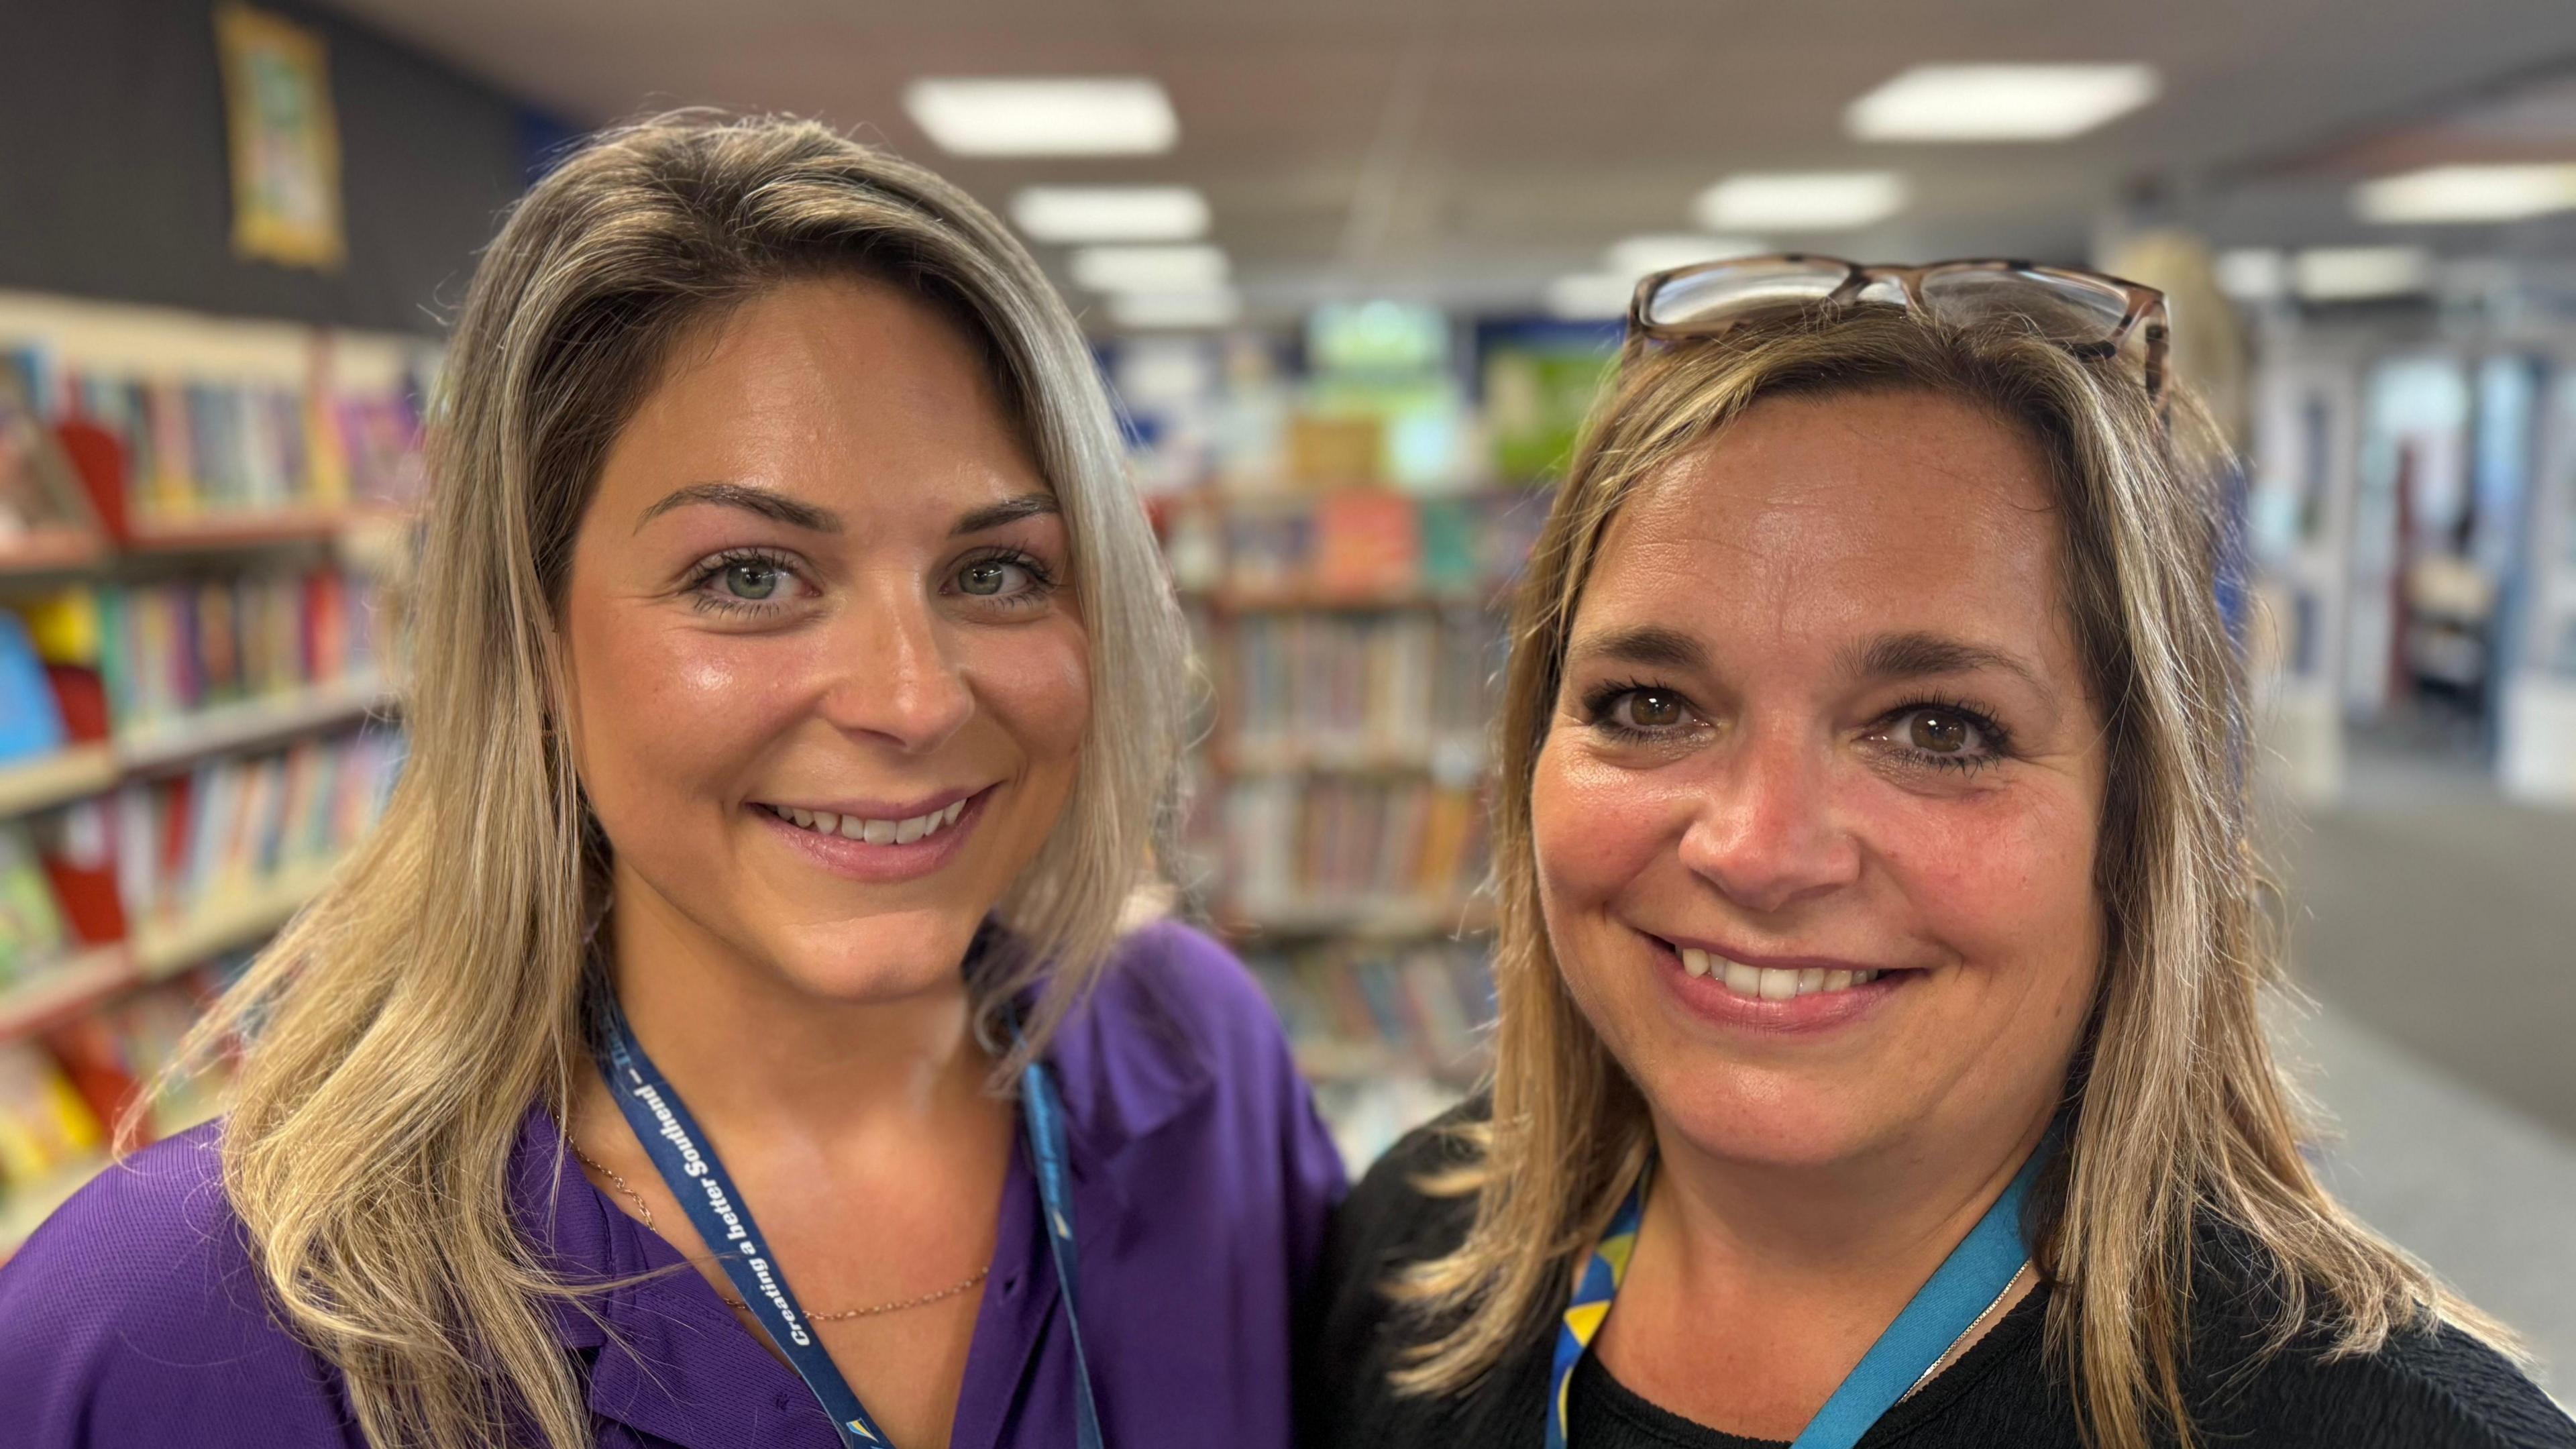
(732, 1036)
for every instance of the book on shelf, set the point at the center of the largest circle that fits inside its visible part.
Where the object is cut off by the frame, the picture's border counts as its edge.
(209, 448)
(1354, 545)
(1356, 1009)
(149, 654)
(237, 824)
(1368, 842)
(1373, 686)
(63, 1097)
(32, 930)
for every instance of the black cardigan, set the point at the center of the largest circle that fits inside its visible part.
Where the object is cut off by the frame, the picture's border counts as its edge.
(2434, 1389)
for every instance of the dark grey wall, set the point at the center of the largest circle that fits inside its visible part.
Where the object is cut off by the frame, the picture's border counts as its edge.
(114, 179)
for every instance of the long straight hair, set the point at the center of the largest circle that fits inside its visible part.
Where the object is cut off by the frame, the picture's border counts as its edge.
(2179, 1116)
(401, 1028)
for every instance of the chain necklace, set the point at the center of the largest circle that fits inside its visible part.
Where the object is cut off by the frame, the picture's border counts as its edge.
(644, 1210)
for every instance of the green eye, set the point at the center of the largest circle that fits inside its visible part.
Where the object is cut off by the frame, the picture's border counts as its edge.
(751, 580)
(987, 578)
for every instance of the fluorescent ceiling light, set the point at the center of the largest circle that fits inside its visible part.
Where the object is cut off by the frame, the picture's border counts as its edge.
(1591, 296)
(1801, 200)
(2342, 274)
(1097, 117)
(1110, 213)
(1150, 269)
(1999, 102)
(2468, 193)
(1216, 307)
(1640, 256)
(2254, 274)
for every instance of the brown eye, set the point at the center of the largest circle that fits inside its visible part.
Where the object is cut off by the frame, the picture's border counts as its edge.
(1935, 732)
(1653, 709)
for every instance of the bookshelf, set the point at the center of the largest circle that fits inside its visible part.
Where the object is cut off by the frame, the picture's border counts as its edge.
(202, 622)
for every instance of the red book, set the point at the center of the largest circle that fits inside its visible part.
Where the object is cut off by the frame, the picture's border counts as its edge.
(80, 861)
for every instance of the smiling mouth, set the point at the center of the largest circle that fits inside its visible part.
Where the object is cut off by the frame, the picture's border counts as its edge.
(872, 832)
(1771, 983)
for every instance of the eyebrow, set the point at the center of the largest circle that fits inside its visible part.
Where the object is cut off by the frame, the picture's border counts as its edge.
(1912, 656)
(1653, 645)
(751, 500)
(1010, 510)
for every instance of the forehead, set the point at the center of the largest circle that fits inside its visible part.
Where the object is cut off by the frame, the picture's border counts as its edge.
(1818, 518)
(835, 385)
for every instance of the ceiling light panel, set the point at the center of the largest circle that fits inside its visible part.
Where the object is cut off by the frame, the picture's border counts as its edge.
(2344, 274)
(1108, 116)
(1146, 311)
(1999, 102)
(1801, 200)
(1166, 269)
(1640, 256)
(1110, 213)
(1590, 296)
(2469, 193)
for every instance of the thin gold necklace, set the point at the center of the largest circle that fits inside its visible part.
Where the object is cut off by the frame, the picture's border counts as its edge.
(644, 1210)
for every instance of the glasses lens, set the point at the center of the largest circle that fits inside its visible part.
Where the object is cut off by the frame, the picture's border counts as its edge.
(2068, 309)
(1702, 301)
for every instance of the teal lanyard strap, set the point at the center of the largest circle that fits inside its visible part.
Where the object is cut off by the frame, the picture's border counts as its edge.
(1968, 1283)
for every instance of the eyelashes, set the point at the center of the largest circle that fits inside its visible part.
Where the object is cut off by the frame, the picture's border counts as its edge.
(1640, 712)
(779, 581)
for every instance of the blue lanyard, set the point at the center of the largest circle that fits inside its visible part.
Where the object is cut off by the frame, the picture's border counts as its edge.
(690, 1169)
(1969, 1282)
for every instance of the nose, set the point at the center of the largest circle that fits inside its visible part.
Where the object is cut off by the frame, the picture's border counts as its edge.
(891, 678)
(1767, 834)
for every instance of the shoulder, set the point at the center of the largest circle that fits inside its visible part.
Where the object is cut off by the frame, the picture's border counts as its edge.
(1357, 1334)
(2432, 1385)
(137, 1306)
(1175, 1065)
(1178, 977)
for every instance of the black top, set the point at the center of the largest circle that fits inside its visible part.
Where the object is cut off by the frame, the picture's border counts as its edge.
(2434, 1389)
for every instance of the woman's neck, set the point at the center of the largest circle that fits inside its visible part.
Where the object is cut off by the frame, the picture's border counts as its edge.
(1754, 1288)
(743, 1044)
(1886, 1218)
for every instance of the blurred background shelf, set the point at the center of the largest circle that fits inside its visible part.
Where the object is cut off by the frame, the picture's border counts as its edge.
(52, 779)
(227, 924)
(176, 742)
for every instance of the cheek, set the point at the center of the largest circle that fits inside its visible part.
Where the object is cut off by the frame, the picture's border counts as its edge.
(665, 707)
(2006, 882)
(1597, 832)
(1036, 682)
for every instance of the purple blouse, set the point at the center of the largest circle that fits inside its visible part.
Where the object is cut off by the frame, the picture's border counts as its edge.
(1201, 1184)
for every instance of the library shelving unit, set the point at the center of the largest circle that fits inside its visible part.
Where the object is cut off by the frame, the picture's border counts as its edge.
(1352, 635)
(200, 534)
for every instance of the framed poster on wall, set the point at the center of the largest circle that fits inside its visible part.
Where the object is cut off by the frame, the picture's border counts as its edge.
(284, 139)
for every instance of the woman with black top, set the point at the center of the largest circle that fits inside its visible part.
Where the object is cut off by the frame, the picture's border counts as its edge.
(1879, 1058)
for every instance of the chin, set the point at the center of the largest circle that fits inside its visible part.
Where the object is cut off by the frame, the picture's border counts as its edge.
(887, 958)
(1754, 1116)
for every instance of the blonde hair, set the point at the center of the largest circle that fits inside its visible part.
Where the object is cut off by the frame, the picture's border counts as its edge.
(402, 1027)
(2177, 1115)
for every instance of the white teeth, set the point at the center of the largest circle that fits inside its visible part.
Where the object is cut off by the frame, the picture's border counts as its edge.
(874, 832)
(1770, 984)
